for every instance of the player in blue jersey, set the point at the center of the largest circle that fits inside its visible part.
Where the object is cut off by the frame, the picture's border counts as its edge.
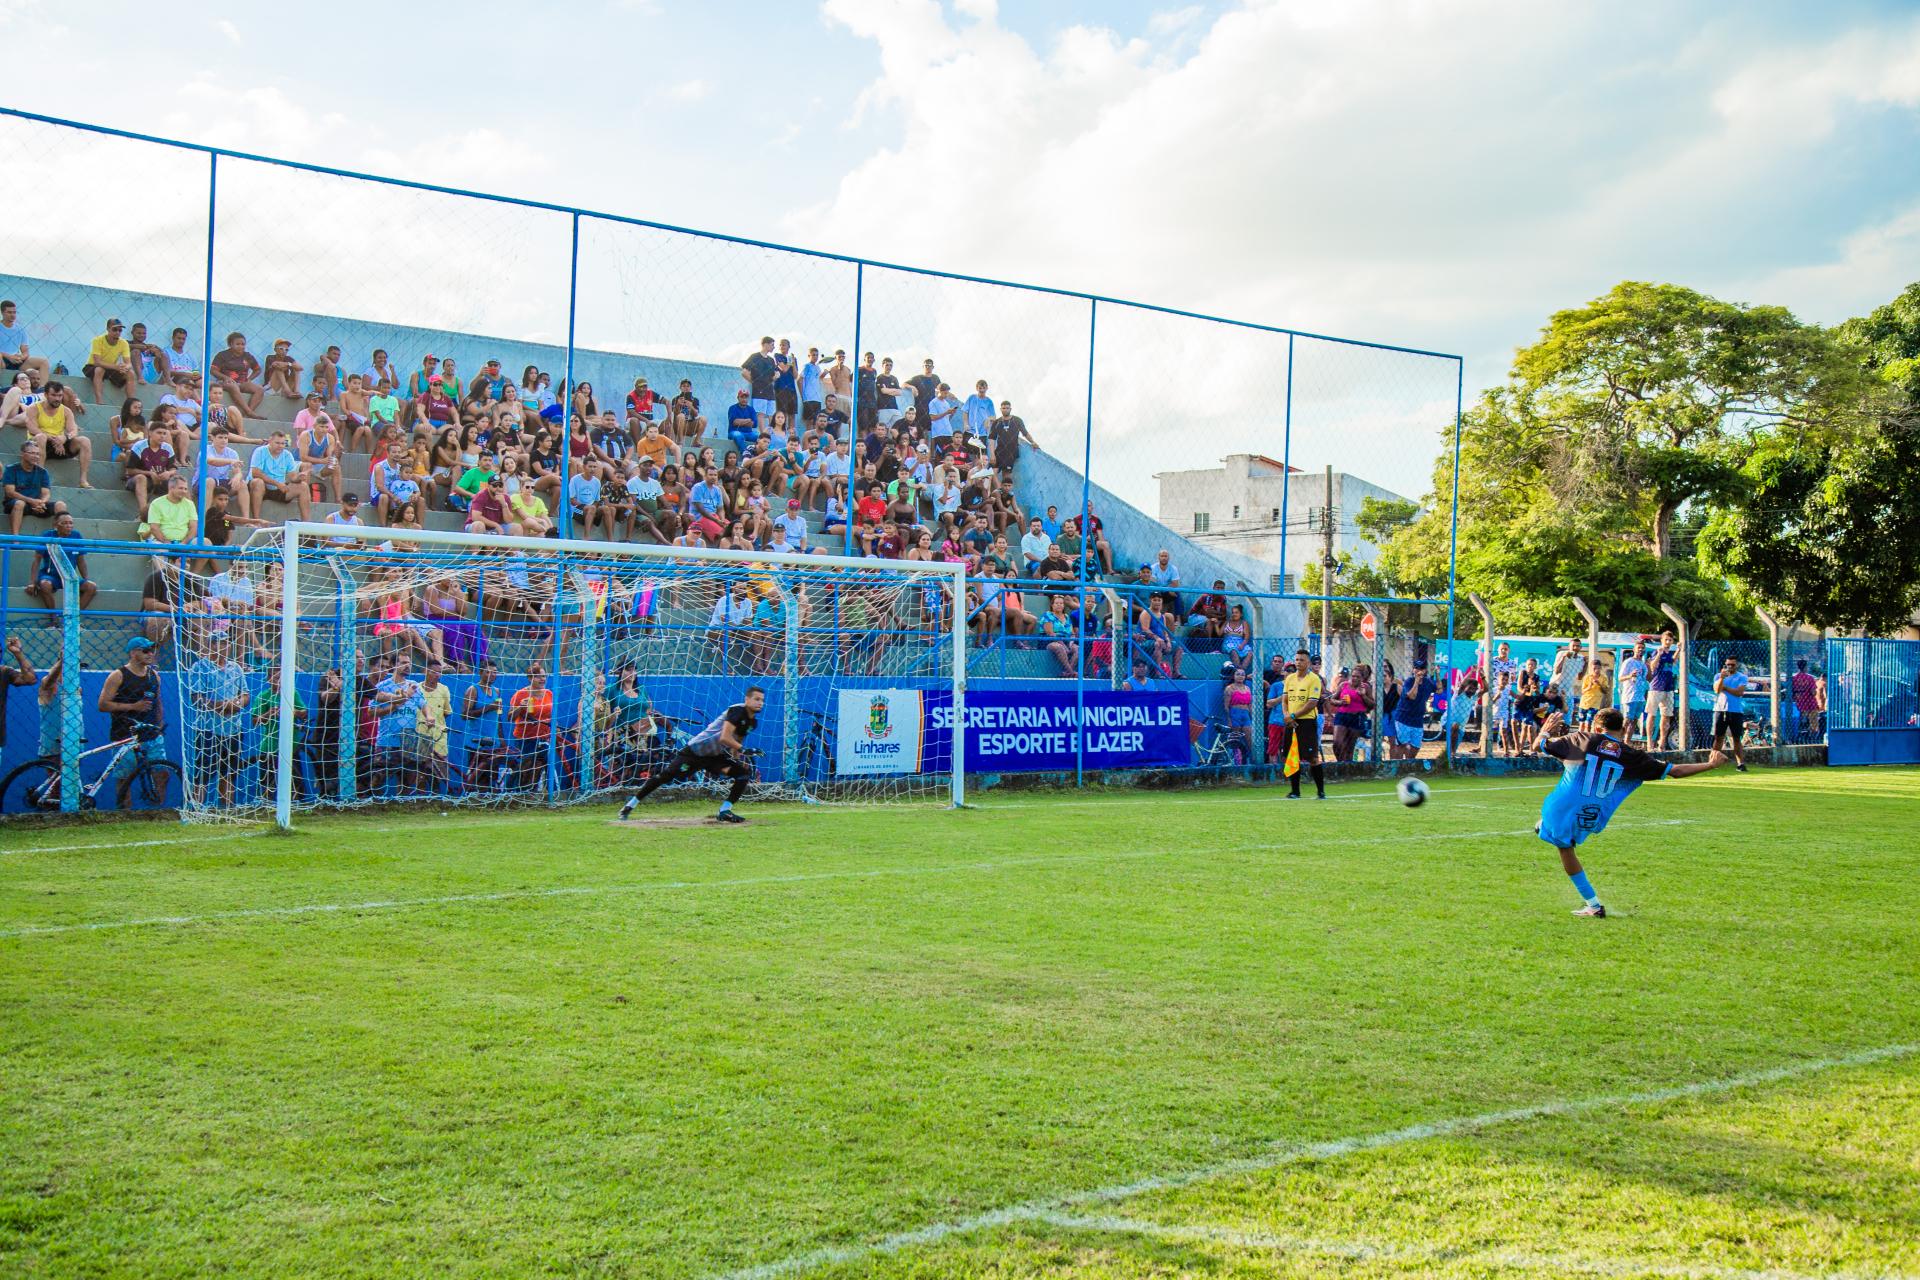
(1599, 771)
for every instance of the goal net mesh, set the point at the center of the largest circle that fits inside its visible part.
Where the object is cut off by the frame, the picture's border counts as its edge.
(479, 676)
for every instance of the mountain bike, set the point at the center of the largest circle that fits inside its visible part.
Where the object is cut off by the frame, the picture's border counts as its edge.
(34, 787)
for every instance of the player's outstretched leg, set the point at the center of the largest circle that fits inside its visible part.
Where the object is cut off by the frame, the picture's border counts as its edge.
(741, 775)
(1570, 861)
(651, 785)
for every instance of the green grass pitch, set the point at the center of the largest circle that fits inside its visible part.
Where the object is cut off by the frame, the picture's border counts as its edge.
(1121, 1035)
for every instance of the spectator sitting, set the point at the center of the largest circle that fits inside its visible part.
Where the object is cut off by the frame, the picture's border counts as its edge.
(237, 372)
(743, 424)
(1209, 611)
(1034, 548)
(46, 584)
(586, 491)
(110, 359)
(348, 516)
(51, 424)
(1236, 638)
(27, 489)
(275, 472)
(282, 372)
(171, 517)
(15, 351)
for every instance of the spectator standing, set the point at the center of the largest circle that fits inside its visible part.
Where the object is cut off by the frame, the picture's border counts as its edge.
(759, 371)
(1663, 678)
(217, 690)
(1730, 711)
(1633, 689)
(1410, 712)
(1805, 701)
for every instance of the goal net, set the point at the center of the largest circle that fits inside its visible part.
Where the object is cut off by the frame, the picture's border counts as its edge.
(474, 671)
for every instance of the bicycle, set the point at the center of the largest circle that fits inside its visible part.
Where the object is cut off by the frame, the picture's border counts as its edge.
(35, 785)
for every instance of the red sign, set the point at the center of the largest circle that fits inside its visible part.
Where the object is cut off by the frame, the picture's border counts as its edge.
(1367, 626)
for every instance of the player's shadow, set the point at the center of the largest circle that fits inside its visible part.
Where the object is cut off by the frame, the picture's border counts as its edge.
(1683, 1154)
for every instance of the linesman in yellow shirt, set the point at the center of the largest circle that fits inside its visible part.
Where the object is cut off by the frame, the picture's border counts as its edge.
(1300, 695)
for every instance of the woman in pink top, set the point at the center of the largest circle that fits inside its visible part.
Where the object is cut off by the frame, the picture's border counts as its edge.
(1352, 700)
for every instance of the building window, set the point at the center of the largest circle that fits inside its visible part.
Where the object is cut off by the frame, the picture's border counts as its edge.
(1273, 583)
(1291, 585)
(1202, 521)
(1236, 511)
(1276, 514)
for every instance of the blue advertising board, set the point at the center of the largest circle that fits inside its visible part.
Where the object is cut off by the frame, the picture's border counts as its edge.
(1045, 731)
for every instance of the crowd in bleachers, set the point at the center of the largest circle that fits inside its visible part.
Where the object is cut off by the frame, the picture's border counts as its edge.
(814, 455)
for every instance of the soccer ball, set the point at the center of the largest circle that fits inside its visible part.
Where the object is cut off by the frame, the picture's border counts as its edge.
(1413, 792)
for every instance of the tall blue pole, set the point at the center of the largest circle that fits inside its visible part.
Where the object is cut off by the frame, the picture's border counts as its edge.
(206, 358)
(1453, 537)
(1082, 637)
(1286, 466)
(562, 517)
(853, 423)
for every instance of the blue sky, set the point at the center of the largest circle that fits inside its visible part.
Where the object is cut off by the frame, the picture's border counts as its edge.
(1440, 176)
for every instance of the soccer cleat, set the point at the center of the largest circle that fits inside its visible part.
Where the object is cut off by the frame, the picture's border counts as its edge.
(1320, 795)
(1596, 912)
(626, 810)
(1293, 795)
(1740, 768)
(728, 815)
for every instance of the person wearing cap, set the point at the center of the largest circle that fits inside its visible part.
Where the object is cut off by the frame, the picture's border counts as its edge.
(110, 359)
(130, 699)
(237, 373)
(1410, 713)
(943, 415)
(790, 527)
(282, 371)
(743, 423)
(435, 406)
(348, 516)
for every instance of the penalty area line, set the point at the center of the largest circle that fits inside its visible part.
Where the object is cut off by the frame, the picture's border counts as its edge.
(660, 886)
(1280, 1154)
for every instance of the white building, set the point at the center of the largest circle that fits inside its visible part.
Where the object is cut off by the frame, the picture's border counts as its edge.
(1242, 506)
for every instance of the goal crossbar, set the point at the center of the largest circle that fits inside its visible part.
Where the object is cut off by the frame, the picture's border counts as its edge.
(296, 532)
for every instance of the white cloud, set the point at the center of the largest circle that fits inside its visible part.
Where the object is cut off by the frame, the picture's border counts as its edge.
(692, 90)
(226, 28)
(1442, 176)
(1866, 269)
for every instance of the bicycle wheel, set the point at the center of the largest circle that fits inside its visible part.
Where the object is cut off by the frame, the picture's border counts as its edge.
(156, 784)
(32, 787)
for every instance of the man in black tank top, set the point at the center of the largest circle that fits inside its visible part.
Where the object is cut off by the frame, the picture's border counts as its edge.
(130, 697)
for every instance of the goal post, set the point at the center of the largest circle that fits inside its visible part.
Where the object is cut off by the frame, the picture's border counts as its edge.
(834, 626)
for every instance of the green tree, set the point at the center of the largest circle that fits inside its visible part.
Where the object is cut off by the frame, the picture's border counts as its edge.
(1827, 531)
(1649, 397)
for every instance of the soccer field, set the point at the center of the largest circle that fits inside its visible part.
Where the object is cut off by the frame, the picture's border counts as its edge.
(1085, 1035)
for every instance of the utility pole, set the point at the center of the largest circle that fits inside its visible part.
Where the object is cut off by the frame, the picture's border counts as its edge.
(1327, 565)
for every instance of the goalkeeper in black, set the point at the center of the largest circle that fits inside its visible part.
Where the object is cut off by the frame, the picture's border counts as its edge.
(716, 751)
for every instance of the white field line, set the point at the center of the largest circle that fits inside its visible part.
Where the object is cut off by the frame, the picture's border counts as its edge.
(1281, 1153)
(129, 844)
(1559, 1264)
(579, 891)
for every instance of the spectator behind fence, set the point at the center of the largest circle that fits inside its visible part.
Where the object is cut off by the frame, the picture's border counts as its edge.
(27, 489)
(52, 425)
(16, 351)
(47, 585)
(238, 374)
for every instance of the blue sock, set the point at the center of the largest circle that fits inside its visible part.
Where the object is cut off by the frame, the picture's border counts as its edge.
(726, 806)
(1584, 887)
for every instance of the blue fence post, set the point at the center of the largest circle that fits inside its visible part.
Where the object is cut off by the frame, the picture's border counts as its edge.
(1086, 549)
(1286, 466)
(206, 358)
(1453, 537)
(853, 423)
(70, 711)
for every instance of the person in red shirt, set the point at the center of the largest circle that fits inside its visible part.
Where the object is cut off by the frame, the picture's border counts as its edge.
(530, 718)
(872, 508)
(436, 406)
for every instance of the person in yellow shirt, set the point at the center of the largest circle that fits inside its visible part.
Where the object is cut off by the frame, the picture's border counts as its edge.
(1596, 690)
(110, 359)
(430, 721)
(1300, 695)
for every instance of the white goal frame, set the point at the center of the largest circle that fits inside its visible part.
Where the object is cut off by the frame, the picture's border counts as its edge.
(295, 532)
